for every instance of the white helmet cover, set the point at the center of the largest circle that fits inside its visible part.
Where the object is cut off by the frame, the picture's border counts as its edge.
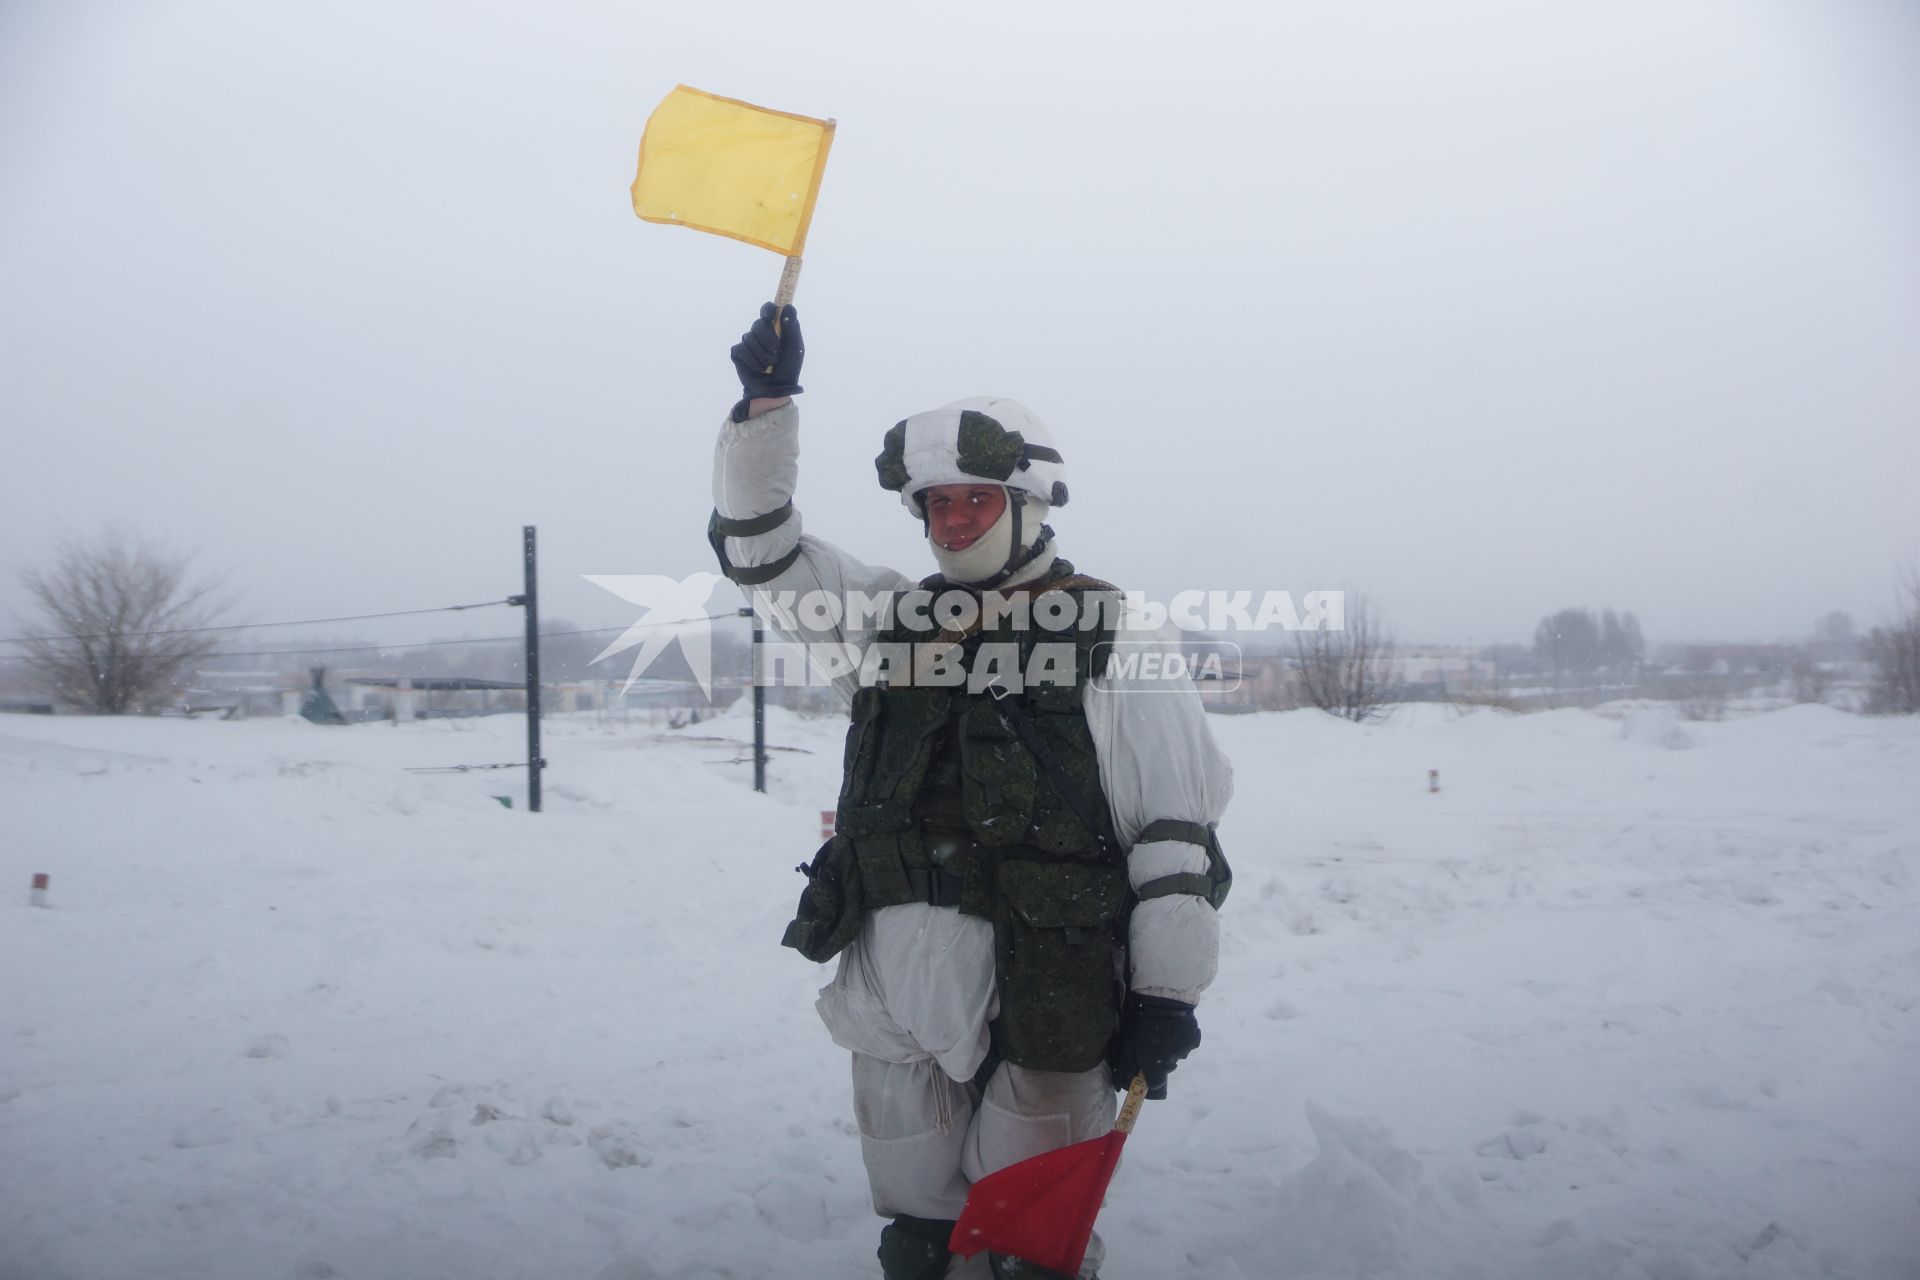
(986, 438)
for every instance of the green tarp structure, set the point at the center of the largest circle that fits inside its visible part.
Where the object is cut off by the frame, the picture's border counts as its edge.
(319, 706)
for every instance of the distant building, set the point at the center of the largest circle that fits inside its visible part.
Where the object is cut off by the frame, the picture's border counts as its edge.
(1271, 682)
(237, 695)
(428, 697)
(1737, 659)
(26, 706)
(1251, 683)
(1436, 672)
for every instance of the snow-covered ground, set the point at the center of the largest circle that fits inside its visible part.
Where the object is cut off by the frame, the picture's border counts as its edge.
(1627, 998)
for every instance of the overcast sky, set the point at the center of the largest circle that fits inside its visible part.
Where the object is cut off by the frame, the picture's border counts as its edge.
(1488, 308)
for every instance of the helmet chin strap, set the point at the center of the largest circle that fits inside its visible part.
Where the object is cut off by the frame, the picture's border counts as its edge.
(1018, 556)
(1018, 501)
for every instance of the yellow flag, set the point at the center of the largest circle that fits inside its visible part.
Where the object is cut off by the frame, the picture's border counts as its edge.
(729, 167)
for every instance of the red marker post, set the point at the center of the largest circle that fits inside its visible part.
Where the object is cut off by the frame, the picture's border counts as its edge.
(826, 824)
(1433, 782)
(39, 896)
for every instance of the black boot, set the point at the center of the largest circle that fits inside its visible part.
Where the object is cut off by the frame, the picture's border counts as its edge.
(1011, 1268)
(915, 1248)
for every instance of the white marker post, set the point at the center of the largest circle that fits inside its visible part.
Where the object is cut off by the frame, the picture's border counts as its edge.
(39, 895)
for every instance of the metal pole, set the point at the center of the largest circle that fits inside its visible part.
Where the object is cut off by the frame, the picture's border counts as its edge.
(759, 715)
(530, 601)
(759, 706)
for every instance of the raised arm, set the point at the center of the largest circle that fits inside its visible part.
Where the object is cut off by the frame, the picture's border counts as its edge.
(756, 530)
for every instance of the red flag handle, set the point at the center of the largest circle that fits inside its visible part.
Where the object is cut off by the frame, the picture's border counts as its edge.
(1130, 1109)
(1110, 1157)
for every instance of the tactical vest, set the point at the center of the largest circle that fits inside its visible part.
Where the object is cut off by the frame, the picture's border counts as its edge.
(943, 802)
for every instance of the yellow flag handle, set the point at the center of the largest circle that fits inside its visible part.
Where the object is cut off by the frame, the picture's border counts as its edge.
(789, 280)
(790, 274)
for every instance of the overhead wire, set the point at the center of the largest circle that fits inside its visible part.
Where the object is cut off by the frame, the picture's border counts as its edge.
(421, 644)
(249, 626)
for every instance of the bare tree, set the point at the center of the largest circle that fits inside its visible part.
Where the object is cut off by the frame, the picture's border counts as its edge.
(1347, 673)
(1569, 643)
(121, 623)
(1809, 681)
(1893, 652)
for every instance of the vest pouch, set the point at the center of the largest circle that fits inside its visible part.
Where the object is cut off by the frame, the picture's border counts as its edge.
(999, 778)
(1056, 945)
(828, 917)
(859, 757)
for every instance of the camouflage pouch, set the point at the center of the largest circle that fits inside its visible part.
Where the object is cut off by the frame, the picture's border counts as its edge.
(828, 917)
(1056, 940)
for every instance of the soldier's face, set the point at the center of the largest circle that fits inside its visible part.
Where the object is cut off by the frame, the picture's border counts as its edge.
(957, 514)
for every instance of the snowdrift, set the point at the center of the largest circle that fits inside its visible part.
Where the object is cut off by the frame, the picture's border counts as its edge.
(1626, 998)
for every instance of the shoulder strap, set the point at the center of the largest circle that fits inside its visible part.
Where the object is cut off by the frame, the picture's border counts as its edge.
(1079, 582)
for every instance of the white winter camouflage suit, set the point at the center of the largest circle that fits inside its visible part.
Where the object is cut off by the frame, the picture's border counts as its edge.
(915, 992)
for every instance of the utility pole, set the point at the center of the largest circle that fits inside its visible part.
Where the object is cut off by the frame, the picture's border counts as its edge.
(530, 601)
(759, 706)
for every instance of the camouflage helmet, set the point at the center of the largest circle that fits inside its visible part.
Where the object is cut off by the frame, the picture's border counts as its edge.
(986, 438)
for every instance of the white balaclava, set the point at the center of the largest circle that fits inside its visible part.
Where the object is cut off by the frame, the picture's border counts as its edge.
(989, 553)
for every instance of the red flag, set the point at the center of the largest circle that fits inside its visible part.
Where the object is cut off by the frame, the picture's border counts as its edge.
(1042, 1210)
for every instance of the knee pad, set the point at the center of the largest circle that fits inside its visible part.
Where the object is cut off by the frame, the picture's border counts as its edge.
(915, 1248)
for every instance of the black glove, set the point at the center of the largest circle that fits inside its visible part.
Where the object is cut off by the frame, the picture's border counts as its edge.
(1155, 1033)
(769, 362)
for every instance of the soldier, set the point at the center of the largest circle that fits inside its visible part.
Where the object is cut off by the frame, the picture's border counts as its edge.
(1022, 885)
